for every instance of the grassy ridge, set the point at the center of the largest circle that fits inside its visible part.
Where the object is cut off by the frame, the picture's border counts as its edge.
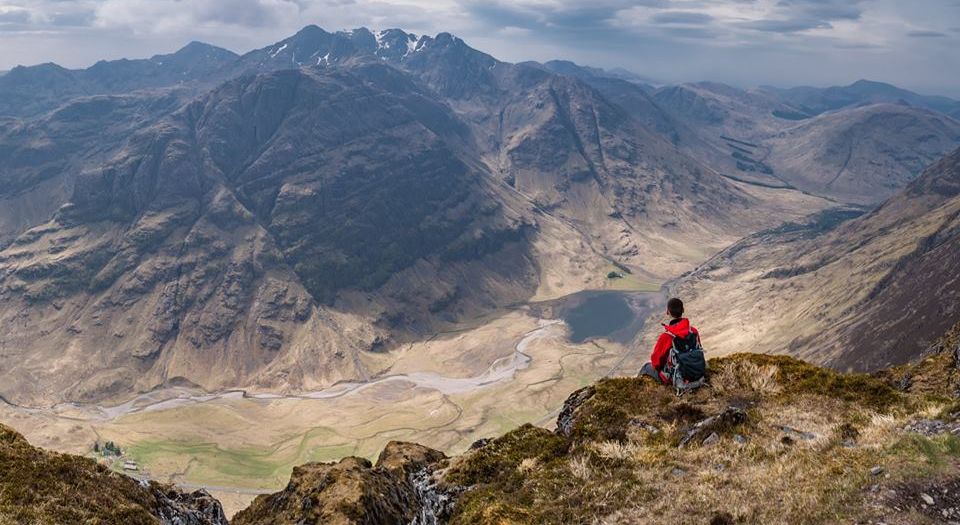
(805, 447)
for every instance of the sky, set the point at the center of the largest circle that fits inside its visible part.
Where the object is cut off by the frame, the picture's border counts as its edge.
(912, 44)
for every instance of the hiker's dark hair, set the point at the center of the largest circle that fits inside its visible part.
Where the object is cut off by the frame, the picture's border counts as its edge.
(675, 307)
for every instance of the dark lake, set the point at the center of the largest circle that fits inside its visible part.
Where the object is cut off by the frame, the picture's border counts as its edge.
(614, 315)
(599, 316)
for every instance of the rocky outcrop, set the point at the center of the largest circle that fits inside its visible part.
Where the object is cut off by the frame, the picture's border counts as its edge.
(706, 429)
(568, 413)
(37, 486)
(353, 491)
(178, 508)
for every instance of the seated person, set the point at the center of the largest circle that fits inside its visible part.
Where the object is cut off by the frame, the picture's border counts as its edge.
(660, 366)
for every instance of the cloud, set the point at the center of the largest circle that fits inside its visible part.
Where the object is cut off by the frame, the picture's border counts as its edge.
(926, 34)
(556, 15)
(827, 10)
(786, 26)
(681, 17)
(14, 15)
(165, 15)
(694, 32)
(739, 41)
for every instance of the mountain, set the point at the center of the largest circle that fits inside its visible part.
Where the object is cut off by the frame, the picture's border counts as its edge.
(814, 101)
(568, 68)
(861, 155)
(860, 294)
(43, 157)
(29, 91)
(219, 237)
(825, 446)
(564, 145)
(854, 155)
(288, 226)
(37, 486)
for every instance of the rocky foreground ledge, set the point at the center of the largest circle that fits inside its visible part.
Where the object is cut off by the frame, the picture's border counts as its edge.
(772, 440)
(41, 487)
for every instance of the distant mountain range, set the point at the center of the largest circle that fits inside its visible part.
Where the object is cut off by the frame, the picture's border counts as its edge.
(860, 150)
(283, 216)
(812, 101)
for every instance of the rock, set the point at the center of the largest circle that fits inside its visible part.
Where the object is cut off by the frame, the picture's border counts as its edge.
(646, 427)
(567, 416)
(932, 427)
(926, 498)
(739, 439)
(407, 457)
(400, 488)
(480, 443)
(195, 508)
(711, 439)
(876, 471)
(903, 384)
(678, 471)
(796, 434)
(729, 417)
(848, 443)
(436, 502)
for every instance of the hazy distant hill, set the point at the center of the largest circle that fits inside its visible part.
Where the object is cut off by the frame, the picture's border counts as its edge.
(862, 155)
(26, 91)
(813, 101)
(859, 154)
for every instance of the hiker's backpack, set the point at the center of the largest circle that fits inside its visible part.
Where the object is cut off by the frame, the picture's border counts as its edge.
(688, 364)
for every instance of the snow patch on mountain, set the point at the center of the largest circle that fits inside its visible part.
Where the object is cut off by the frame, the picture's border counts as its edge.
(277, 51)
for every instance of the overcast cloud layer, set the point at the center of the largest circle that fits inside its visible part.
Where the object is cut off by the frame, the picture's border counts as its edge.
(743, 42)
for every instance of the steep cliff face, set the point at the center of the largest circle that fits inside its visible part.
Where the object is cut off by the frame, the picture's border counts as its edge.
(37, 486)
(43, 157)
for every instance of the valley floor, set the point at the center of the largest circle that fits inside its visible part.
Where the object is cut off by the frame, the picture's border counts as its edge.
(445, 392)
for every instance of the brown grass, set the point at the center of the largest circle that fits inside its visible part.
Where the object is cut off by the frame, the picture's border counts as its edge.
(621, 463)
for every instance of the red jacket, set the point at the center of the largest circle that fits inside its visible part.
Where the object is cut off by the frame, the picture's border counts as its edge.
(661, 352)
